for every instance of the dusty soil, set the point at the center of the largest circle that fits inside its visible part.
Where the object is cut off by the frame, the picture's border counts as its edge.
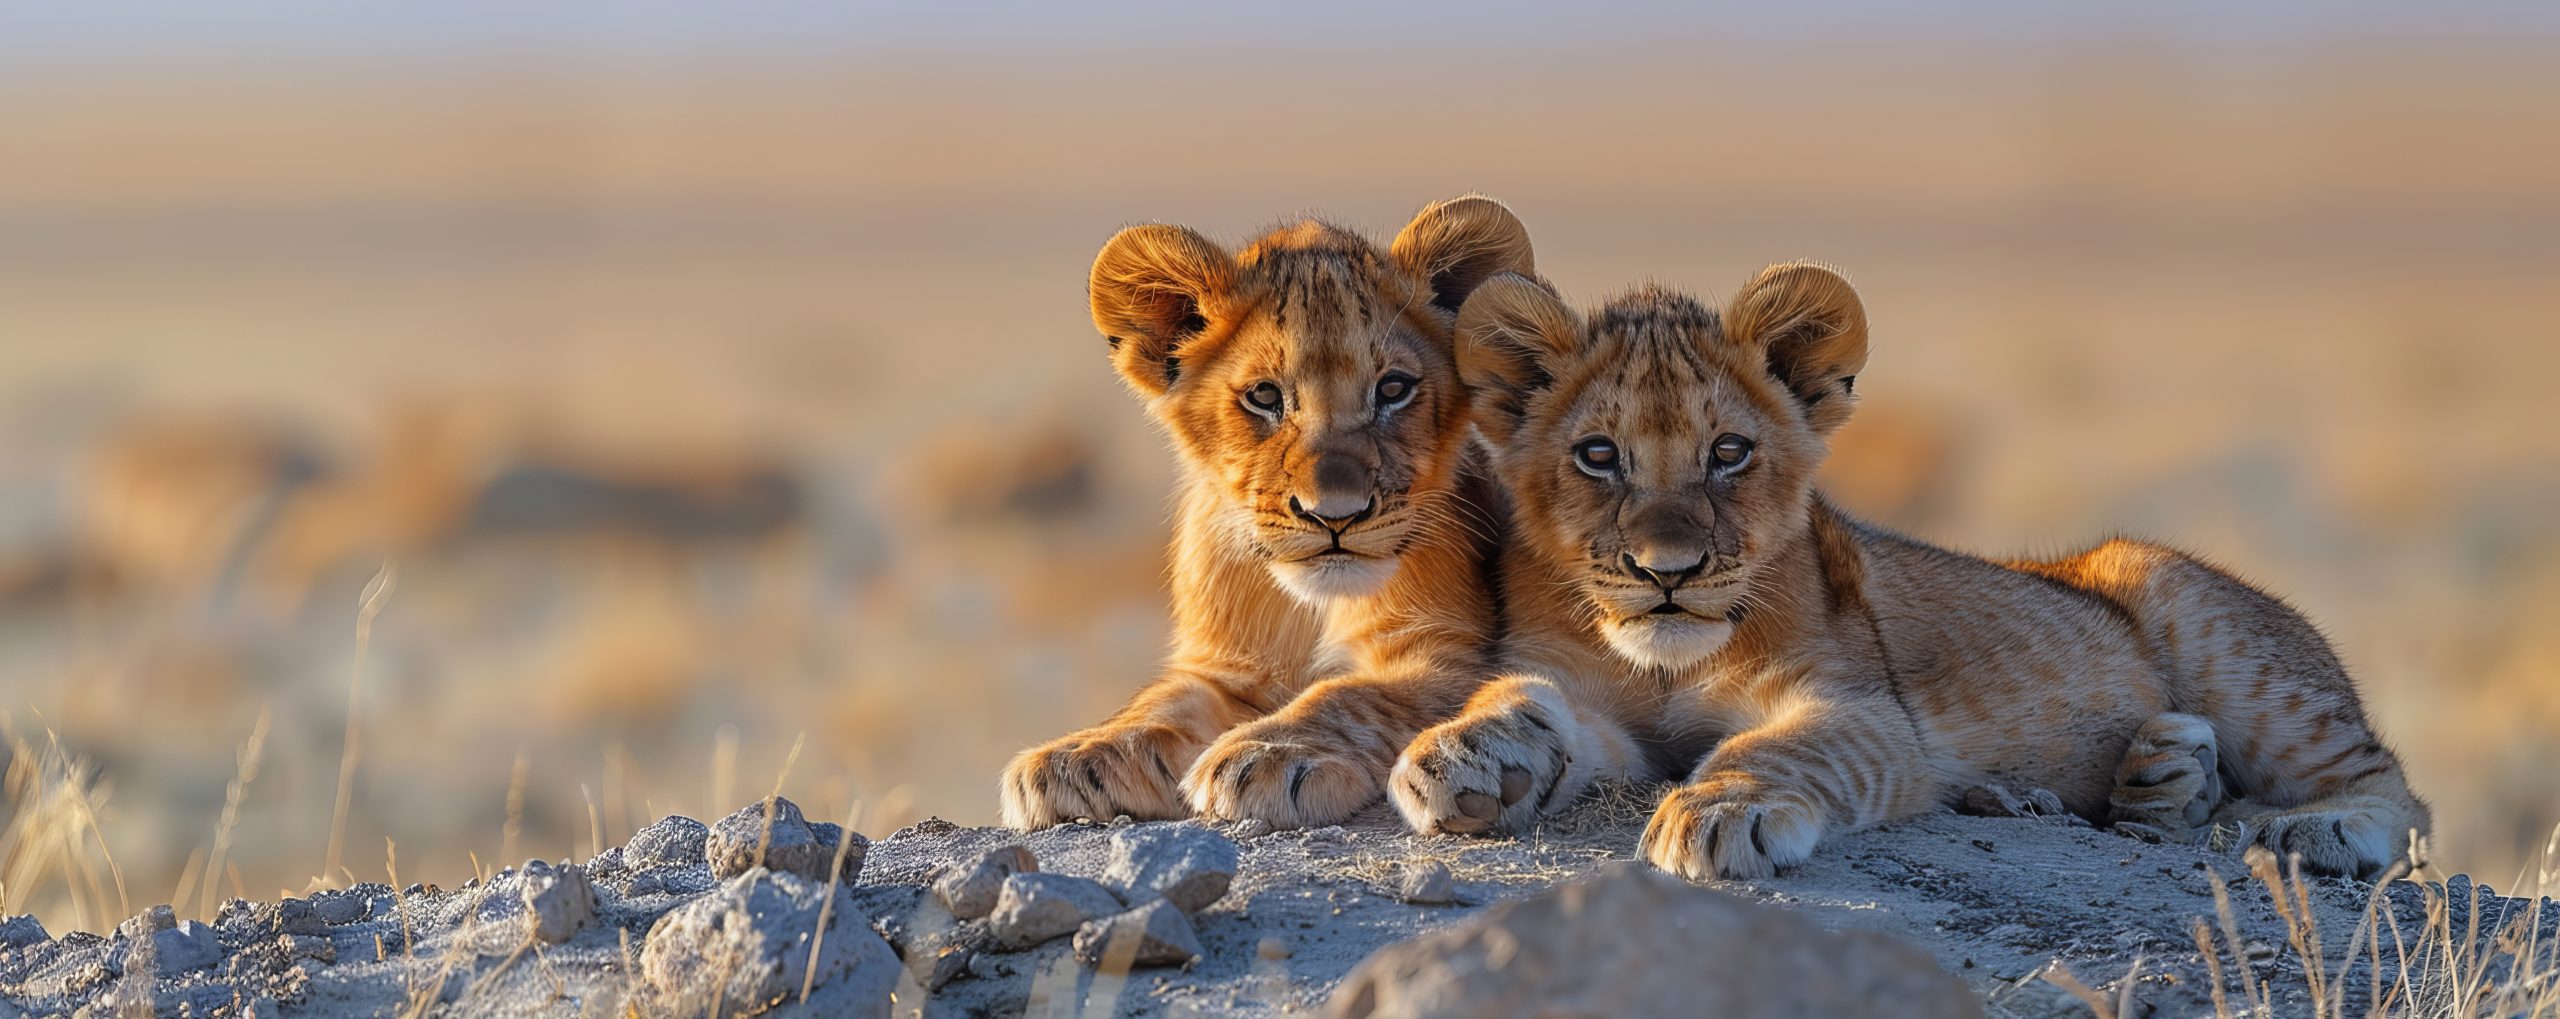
(1995, 901)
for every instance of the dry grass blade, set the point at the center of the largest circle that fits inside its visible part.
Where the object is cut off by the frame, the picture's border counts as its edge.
(2257, 999)
(2055, 974)
(54, 800)
(376, 592)
(2212, 966)
(774, 798)
(514, 827)
(827, 906)
(232, 796)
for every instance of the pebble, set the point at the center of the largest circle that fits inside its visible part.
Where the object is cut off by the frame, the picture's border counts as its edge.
(188, 945)
(20, 931)
(970, 890)
(671, 840)
(785, 842)
(1036, 907)
(1186, 864)
(745, 947)
(1428, 883)
(1155, 934)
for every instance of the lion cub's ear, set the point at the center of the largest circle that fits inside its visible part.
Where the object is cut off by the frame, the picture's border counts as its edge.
(1810, 329)
(1456, 245)
(1513, 334)
(1153, 288)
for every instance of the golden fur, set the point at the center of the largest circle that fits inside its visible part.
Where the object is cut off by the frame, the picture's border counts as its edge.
(1328, 563)
(1807, 673)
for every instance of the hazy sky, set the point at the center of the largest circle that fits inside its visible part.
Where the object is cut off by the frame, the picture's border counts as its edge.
(39, 32)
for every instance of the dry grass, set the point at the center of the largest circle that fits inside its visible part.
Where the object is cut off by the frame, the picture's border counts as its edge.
(351, 747)
(2498, 966)
(52, 841)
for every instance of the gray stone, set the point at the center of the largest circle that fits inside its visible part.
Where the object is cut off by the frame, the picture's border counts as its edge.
(1187, 864)
(1634, 941)
(141, 925)
(744, 949)
(187, 946)
(21, 930)
(1036, 907)
(297, 916)
(337, 908)
(969, 890)
(309, 947)
(1428, 883)
(668, 841)
(782, 841)
(1155, 934)
(538, 901)
(559, 901)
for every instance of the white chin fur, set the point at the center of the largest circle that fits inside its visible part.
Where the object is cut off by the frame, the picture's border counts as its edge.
(1666, 642)
(1332, 577)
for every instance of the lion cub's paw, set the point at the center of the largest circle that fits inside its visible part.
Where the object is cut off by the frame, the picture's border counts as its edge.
(1100, 773)
(1289, 773)
(1497, 770)
(1707, 833)
(2352, 842)
(2169, 781)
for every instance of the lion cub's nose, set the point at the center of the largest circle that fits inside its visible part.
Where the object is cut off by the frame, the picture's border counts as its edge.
(1344, 493)
(1666, 571)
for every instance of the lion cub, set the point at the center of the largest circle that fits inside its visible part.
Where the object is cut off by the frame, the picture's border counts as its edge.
(1335, 528)
(1684, 601)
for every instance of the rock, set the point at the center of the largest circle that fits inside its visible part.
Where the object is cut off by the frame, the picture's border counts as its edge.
(926, 828)
(942, 966)
(1187, 864)
(1428, 883)
(538, 901)
(183, 946)
(296, 916)
(1036, 907)
(336, 908)
(20, 931)
(969, 890)
(744, 949)
(784, 841)
(668, 841)
(559, 900)
(1634, 941)
(1155, 934)
(308, 947)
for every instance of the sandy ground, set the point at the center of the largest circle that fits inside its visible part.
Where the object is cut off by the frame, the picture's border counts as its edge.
(1994, 900)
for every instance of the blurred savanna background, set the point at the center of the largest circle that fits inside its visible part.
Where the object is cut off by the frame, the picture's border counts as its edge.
(694, 384)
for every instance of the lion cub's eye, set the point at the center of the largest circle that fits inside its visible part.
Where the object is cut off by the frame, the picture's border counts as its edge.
(1263, 399)
(1731, 451)
(1597, 456)
(1394, 390)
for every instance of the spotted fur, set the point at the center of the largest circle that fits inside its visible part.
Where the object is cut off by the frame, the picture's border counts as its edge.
(1806, 673)
(1332, 552)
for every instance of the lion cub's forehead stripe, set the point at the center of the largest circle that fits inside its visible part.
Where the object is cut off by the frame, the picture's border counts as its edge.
(1328, 292)
(1658, 342)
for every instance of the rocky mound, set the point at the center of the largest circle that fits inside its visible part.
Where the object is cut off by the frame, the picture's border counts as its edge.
(767, 913)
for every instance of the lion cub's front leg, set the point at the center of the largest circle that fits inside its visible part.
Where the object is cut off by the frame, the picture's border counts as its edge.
(1520, 750)
(1322, 757)
(1767, 795)
(1128, 765)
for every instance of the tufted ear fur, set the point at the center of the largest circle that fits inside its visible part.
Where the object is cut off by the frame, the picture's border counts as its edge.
(1456, 245)
(1811, 330)
(1153, 288)
(1513, 333)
